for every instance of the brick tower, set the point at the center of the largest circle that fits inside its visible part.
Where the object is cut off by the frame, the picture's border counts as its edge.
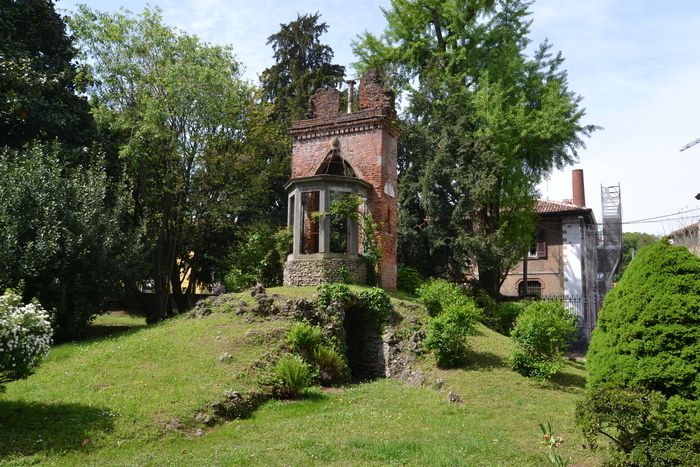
(334, 155)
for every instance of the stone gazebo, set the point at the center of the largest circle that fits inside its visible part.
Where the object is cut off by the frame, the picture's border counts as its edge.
(337, 156)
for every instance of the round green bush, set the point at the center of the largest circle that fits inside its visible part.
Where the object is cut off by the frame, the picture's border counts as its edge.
(408, 279)
(541, 335)
(448, 331)
(439, 294)
(647, 340)
(648, 331)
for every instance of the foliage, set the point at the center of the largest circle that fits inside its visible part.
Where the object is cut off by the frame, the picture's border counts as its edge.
(408, 279)
(200, 156)
(302, 65)
(541, 334)
(62, 233)
(338, 293)
(484, 124)
(641, 425)
(377, 301)
(647, 341)
(25, 337)
(256, 258)
(438, 294)
(293, 376)
(348, 207)
(503, 317)
(447, 334)
(304, 339)
(632, 243)
(332, 366)
(38, 79)
(648, 331)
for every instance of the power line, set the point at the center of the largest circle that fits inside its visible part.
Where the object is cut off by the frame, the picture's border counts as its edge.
(641, 221)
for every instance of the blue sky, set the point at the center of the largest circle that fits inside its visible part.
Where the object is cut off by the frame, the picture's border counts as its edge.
(635, 63)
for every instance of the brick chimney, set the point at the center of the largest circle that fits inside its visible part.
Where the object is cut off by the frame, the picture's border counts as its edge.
(579, 192)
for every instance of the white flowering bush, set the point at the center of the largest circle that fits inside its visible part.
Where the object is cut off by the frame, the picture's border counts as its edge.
(25, 337)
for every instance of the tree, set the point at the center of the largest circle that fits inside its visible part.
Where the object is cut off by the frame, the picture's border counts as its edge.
(62, 238)
(486, 123)
(302, 65)
(38, 77)
(200, 147)
(647, 344)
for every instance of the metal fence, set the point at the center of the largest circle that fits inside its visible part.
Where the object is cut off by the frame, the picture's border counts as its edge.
(586, 308)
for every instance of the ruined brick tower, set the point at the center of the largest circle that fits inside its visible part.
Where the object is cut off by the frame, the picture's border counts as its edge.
(336, 155)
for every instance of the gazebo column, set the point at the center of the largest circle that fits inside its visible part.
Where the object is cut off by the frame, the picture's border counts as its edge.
(353, 248)
(297, 223)
(324, 224)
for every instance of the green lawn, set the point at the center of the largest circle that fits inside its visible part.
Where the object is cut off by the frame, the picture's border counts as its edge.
(119, 392)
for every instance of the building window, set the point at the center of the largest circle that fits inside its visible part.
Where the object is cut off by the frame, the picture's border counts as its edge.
(533, 289)
(538, 247)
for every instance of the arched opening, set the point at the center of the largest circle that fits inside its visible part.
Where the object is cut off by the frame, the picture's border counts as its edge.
(335, 164)
(365, 348)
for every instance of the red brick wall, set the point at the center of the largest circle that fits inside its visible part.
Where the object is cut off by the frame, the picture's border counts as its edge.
(367, 140)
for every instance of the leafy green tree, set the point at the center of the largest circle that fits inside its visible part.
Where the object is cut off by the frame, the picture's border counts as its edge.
(302, 65)
(61, 234)
(485, 124)
(198, 140)
(38, 78)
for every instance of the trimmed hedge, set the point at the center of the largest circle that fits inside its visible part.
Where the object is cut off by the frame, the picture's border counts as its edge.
(647, 342)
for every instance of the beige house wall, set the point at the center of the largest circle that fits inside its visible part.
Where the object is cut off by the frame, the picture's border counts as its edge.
(548, 270)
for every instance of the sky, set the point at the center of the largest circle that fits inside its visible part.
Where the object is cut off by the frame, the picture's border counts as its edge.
(636, 65)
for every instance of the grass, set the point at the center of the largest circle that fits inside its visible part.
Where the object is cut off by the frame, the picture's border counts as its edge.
(120, 391)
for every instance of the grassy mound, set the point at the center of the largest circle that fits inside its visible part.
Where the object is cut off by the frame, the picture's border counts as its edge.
(110, 401)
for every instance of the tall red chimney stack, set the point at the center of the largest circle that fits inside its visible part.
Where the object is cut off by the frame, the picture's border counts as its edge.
(579, 192)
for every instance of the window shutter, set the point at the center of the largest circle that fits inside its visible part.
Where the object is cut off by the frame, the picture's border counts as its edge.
(541, 249)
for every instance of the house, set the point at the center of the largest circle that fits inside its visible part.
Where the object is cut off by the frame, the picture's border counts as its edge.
(688, 236)
(562, 258)
(571, 258)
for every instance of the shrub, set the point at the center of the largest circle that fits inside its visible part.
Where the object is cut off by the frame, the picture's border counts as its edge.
(648, 331)
(647, 341)
(377, 301)
(503, 317)
(408, 279)
(25, 337)
(63, 233)
(339, 293)
(292, 376)
(447, 333)
(438, 294)
(332, 367)
(304, 339)
(541, 335)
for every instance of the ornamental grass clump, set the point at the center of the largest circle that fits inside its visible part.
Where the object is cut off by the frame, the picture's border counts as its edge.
(292, 376)
(541, 335)
(304, 339)
(25, 337)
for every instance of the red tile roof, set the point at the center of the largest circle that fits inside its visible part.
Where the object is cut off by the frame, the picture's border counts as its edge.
(550, 208)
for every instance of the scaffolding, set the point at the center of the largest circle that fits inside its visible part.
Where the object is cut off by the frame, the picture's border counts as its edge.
(609, 238)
